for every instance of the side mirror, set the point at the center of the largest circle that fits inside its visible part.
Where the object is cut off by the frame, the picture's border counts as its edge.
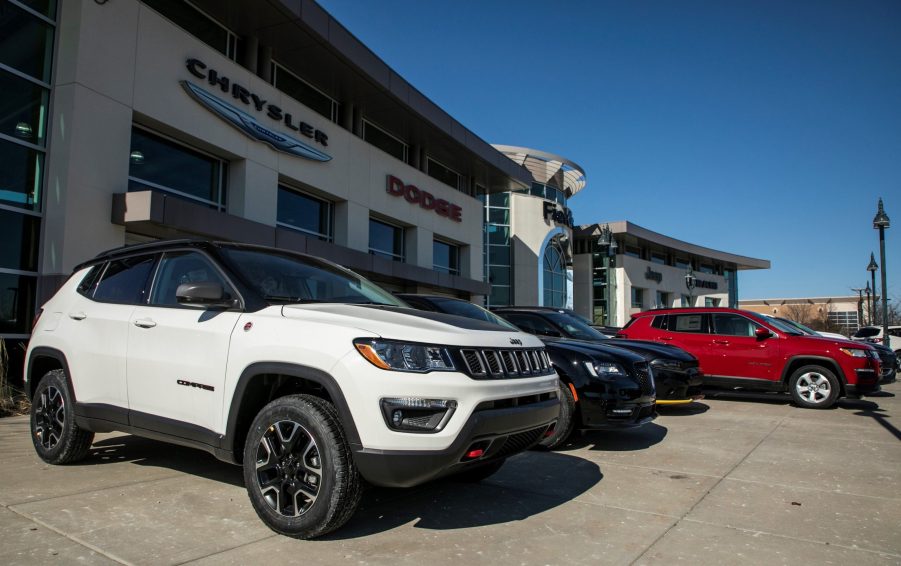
(551, 333)
(762, 333)
(203, 293)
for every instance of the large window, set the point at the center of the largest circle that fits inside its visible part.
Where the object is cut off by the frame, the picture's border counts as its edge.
(305, 213)
(159, 163)
(383, 140)
(663, 300)
(444, 174)
(445, 257)
(554, 276)
(386, 240)
(203, 27)
(497, 248)
(304, 92)
(26, 47)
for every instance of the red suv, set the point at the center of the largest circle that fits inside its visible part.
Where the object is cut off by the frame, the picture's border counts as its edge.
(753, 351)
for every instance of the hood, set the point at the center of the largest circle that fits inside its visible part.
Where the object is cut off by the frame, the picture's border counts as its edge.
(659, 351)
(597, 350)
(403, 323)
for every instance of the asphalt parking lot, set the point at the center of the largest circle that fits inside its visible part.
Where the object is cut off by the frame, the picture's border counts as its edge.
(732, 479)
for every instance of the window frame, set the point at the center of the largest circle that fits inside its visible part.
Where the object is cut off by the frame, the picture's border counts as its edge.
(329, 235)
(229, 285)
(453, 269)
(460, 177)
(369, 123)
(402, 257)
(222, 185)
(276, 68)
(146, 288)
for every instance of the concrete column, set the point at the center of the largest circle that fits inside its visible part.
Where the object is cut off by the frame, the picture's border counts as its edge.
(264, 63)
(418, 246)
(472, 262)
(423, 160)
(250, 57)
(357, 124)
(253, 191)
(414, 156)
(346, 120)
(352, 225)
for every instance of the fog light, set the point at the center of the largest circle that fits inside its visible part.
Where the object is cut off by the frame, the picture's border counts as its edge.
(414, 414)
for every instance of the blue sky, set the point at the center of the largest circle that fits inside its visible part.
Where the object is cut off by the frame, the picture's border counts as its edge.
(763, 128)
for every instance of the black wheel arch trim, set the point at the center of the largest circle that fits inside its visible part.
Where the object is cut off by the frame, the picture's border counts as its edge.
(37, 352)
(315, 375)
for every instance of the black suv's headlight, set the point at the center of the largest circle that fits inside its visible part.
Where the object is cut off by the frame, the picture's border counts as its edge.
(404, 356)
(605, 370)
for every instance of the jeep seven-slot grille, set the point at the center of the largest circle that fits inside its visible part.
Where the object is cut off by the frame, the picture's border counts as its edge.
(483, 363)
(645, 380)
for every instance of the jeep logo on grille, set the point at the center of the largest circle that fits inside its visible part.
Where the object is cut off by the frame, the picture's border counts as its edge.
(516, 341)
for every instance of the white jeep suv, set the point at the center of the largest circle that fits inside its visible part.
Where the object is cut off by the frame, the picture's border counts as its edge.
(307, 374)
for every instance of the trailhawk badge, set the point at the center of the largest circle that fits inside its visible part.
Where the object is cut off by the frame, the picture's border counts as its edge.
(251, 127)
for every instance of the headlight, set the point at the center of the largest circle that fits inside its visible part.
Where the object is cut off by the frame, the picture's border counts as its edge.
(404, 356)
(855, 352)
(604, 369)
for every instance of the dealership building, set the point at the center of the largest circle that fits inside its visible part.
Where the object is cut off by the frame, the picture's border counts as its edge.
(268, 122)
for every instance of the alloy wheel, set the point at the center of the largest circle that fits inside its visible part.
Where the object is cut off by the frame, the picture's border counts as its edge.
(50, 417)
(289, 468)
(813, 387)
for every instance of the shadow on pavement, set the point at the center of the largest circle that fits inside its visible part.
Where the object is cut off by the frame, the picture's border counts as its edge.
(152, 453)
(686, 410)
(623, 440)
(528, 484)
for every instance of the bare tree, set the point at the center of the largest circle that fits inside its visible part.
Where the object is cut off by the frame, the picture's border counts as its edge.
(801, 312)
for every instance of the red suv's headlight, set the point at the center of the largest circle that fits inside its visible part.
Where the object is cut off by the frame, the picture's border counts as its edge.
(856, 352)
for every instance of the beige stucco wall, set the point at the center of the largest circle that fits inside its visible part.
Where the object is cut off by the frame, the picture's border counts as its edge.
(121, 62)
(530, 232)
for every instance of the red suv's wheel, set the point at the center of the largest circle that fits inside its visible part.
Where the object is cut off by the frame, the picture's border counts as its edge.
(813, 387)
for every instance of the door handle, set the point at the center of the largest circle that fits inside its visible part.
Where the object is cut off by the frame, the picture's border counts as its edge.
(77, 315)
(666, 337)
(723, 342)
(145, 323)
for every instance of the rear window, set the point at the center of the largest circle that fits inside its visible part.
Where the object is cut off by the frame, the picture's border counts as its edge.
(124, 281)
(659, 322)
(867, 332)
(687, 323)
(89, 283)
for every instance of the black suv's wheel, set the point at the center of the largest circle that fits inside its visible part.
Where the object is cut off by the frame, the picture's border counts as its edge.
(298, 468)
(565, 421)
(814, 387)
(56, 437)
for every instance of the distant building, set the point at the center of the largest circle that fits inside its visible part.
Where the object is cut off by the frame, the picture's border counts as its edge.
(844, 312)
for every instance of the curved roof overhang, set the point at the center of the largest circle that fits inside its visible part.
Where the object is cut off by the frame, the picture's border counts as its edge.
(547, 168)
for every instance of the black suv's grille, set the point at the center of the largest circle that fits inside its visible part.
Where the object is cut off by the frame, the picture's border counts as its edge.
(482, 363)
(520, 441)
(643, 375)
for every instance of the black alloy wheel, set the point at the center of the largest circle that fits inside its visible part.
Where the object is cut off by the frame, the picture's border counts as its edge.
(289, 468)
(56, 436)
(49, 416)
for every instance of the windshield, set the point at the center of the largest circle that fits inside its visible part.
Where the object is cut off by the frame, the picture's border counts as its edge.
(779, 325)
(575, 327)
(469, 310)
(287, 278)
(799, 326)
(867, 332)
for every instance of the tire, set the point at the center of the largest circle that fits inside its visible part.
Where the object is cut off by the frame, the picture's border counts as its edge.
(565, 421)
(298, 468)
(56, 437)
(479, 473)
(814, 387)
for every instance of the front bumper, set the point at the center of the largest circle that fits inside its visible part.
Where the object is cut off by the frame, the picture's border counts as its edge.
(867, 382)
(680, 386)
(614, 404)
(498, 432)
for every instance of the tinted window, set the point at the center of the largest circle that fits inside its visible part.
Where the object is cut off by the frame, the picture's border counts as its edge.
(23, 108)
(386, 240)
(867, 332)
(20, 174)
(687, 323)
(178, 268)
(19, 234)
(658, 322)
(575, 327)
(17, 297)
(194, 22)
(532, 324)
(469, 310)
(87, 285)
(305, 213)
(124, 280)
(445, 257)
(25, 42)
(728, 324)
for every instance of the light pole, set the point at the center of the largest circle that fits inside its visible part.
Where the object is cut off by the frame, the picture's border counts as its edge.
(607, 243)
(881, 222)
(869, 304)
(859, 291)
(690, 284)
(872, 268)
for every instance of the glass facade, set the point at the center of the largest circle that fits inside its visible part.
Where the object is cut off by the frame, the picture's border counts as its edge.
(444, 174)
(198, 24)
(305, 213)
(159, 163)
(547, 192)
(26, 46)
(554, 276)
(445, 257)
(385, 141)
(304, 92)
(386, 240)
(497, 249)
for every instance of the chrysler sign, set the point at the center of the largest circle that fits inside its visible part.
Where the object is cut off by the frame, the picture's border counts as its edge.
(248, 124)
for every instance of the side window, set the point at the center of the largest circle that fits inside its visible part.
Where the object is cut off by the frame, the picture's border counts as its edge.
(182, 267)
(89, 283)
(125, 281)
(659, 322)
(532, 324)
(687, 323)
(728, 324)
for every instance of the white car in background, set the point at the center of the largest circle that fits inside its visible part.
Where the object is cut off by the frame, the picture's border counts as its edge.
(874, 334)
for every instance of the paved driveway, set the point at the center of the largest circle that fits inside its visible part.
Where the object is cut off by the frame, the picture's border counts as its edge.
(734, 479)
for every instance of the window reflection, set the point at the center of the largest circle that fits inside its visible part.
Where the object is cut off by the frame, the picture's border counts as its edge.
(20, 175)
(26, 42)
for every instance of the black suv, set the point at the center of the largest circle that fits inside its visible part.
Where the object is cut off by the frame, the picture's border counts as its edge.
(602, 387)
(676, 371)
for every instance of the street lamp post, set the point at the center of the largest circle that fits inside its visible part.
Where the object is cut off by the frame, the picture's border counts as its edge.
(872, 268)
(607, 243)
(869, 304)
(881, 222)
(690, 284)
(859, 291)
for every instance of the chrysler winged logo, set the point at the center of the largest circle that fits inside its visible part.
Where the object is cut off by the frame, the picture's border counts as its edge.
(516, 341)
(251, 127)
